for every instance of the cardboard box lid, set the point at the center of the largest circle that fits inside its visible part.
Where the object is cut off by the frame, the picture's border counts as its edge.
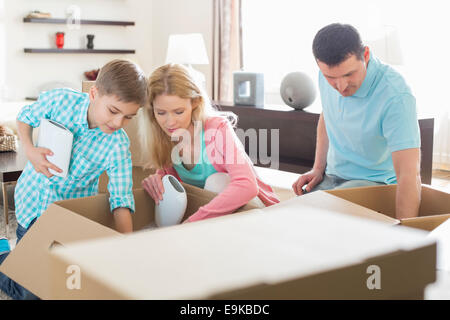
(339, 205)
(442, 235)
(201, 259)
(78, 220)
(382, 199)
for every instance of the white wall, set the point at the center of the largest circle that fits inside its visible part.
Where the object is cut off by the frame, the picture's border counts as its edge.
(26, 72)
(154, 21)
(182, 16)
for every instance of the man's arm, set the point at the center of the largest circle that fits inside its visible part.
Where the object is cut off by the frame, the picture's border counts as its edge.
(313, 177)
(320, 161)
(407, 168)
(123, 220)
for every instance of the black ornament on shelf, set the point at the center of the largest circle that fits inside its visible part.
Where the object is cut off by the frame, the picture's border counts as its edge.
(90, 44)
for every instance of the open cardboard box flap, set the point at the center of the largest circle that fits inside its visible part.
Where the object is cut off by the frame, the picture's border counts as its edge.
(434, 207)
(76, 220)
(28, 265)
(273, 253)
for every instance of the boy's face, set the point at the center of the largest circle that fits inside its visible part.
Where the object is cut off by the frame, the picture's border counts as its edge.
(109, 113)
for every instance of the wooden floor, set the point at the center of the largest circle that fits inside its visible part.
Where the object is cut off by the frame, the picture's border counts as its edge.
(441, 180)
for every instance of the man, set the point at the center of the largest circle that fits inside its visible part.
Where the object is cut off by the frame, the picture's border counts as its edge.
(368, 133)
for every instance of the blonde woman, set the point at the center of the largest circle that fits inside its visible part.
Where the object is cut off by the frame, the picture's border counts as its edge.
(184, 136)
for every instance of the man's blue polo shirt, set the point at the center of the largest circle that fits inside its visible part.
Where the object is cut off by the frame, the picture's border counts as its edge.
(365, 128)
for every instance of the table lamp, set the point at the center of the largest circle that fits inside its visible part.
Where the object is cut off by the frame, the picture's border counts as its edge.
(188, 49)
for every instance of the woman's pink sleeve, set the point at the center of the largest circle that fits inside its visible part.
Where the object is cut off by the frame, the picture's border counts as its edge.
(231, 157)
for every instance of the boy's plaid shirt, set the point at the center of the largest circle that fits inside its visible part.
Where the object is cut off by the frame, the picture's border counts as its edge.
(92, 153)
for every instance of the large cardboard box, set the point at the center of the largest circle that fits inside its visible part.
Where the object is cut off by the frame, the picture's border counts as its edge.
(434, 213)
(80, 220)
(318, 246)
(280, 252)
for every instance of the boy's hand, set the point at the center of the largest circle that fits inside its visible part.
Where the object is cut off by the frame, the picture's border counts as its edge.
(38, 158)
(154, 186)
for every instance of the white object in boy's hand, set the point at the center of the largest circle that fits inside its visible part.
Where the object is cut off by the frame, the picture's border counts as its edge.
(58, 139)
(171, 208)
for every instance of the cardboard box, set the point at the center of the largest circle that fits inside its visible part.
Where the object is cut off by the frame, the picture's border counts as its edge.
(307, 247)
(434, 213)
(80, 220)
(434, 206)
(274, 253)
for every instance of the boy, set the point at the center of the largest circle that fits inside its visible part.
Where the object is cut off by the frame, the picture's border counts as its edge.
(96, 121)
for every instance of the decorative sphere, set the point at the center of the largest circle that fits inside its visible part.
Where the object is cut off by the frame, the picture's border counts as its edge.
(297, 90)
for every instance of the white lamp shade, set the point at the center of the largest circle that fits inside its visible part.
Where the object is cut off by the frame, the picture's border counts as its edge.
(187, 49)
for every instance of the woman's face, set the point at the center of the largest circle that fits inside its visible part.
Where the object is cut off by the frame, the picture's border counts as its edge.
(173, 114)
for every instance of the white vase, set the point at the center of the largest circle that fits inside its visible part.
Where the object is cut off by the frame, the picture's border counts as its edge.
(171, 208)
(217, 182)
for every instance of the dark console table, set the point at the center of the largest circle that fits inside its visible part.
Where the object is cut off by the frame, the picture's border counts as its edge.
(11, 166)
(298, 134)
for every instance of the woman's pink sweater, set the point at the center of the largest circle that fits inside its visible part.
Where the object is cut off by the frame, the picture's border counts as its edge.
(226, 154)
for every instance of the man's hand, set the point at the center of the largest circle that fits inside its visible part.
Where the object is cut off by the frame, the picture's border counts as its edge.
(310, 179)
(38, 158)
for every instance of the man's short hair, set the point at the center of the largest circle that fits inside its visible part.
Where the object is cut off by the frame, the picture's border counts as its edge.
(334, 43)
(123, 79)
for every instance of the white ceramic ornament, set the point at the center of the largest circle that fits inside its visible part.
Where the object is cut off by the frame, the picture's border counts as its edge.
(172, 207)
(217, 182)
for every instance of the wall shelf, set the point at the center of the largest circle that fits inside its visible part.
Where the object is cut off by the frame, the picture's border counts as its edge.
(64, 21)
(36, 50)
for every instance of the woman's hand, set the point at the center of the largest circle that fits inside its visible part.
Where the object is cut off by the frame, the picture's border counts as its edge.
(154, 186)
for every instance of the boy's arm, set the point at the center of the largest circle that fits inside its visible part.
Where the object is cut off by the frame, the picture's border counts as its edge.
(120, 187)
(123, 220)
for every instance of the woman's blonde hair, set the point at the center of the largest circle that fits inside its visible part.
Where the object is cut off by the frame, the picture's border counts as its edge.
(176, 80)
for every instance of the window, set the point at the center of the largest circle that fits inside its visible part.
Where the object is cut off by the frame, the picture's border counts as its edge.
(278, 35)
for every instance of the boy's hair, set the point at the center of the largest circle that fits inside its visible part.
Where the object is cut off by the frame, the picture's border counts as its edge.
(125, 80)
(334, 43)
(176, 80)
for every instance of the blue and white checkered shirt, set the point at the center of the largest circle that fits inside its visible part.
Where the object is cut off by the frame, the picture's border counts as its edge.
(93, 152)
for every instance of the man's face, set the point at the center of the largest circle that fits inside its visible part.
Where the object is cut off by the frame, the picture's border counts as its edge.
(109, 113)
(347, 76)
